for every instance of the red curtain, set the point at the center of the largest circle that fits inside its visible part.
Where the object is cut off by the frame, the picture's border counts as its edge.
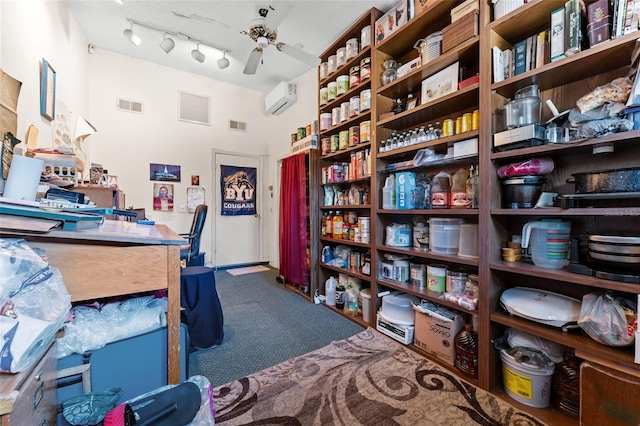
(293, 220)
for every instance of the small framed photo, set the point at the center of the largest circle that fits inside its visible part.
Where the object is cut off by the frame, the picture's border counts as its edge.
(411, 103)
(47, 91)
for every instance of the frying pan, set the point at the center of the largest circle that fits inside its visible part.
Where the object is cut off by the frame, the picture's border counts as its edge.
(615, 251)
(606, 181)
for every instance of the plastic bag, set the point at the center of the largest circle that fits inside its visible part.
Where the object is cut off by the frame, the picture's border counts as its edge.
(517, 338)
(599, 128)
(34, 304)
(533, 166)
(607, 319)
(616, 91)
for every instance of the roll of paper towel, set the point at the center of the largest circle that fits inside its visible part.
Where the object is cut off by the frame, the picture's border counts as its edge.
(24, 177)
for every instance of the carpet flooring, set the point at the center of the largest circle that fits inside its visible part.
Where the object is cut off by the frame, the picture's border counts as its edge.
(366, 379)
(264, 324)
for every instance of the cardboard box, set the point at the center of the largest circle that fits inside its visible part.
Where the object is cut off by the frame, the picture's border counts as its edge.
(435, 334)
(408, 67)
(405, 190)
(422, 5)
(391, 21)
(465, 148)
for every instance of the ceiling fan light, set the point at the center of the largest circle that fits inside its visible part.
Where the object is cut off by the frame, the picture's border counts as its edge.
(262, 42)
(197, 54)
(223, 62)
(131, 36)
(167, 44)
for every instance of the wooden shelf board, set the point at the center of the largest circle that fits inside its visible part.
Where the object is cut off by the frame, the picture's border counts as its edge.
(432, 212)
(345, 153)
(563, 276)
(347, 207)
(424, 293)
(357, 319)
(451, 258)
(346, 271)
(444, 141)
(346, 242)
(622, 356)
(363, 116)
(345, 97)
(556, 211)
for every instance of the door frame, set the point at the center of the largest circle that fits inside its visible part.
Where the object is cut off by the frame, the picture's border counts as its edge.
(259, 200)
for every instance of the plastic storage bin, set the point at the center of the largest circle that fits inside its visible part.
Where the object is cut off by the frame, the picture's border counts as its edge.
(444, 235)
(397, 308)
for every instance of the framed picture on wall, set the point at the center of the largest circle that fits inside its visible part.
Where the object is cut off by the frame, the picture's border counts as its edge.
(47, 91)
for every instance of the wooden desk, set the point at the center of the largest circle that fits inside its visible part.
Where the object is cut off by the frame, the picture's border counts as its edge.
(119, 258)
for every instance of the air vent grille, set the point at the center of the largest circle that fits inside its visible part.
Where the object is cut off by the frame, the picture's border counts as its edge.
(129, 106)
(239, 126)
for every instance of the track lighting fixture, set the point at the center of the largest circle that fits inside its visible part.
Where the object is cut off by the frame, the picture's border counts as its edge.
(167, 44)
(197, 54)
(223, 62)
(131, 36)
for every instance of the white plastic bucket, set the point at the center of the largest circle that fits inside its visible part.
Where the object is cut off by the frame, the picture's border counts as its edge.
(366, 302)
(526, 383)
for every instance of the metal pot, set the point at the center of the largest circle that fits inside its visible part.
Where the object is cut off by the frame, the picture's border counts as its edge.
(606, 181)
(522, 192)
(615, 252)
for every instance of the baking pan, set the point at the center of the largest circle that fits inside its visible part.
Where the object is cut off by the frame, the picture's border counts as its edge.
(606, 181)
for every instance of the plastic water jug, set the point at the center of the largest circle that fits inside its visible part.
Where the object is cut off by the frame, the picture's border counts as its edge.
(330, 291)
(389, 193)
(549, 242)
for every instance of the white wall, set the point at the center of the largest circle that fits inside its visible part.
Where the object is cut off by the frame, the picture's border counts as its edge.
(126, 143)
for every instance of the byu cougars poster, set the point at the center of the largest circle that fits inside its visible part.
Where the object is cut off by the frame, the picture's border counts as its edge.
(238, 189)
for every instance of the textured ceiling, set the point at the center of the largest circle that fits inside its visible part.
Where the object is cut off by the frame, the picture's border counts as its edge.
(310, 24)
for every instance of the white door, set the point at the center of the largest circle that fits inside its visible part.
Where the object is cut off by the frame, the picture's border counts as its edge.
(237, 240)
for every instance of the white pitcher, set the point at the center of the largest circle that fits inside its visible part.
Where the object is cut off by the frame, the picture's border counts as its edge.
(550, 241)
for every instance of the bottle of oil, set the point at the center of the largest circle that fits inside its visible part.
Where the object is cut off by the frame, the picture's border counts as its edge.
(466, 344)
(329, 224)
(337, 226)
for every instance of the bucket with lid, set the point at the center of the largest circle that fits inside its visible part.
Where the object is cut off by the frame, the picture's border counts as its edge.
(444, 235)
(365, 294)
(529, 384)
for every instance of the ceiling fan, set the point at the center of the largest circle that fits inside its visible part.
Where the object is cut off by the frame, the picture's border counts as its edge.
(263, 31)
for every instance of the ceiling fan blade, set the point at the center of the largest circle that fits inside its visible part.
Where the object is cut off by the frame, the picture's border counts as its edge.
(253, 61)
(299, 54)
(276, 12)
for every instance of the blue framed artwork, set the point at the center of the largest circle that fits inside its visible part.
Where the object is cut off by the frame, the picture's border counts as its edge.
(164, 172)
(47, 91)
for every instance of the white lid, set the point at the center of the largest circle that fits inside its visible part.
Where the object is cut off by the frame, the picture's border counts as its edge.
(540, 305)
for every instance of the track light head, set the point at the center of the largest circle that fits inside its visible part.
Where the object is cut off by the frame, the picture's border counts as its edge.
(131, 36)
(167, 44)
(197, 54)
(223, 62)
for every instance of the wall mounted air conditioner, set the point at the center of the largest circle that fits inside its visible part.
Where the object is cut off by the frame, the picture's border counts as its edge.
(280, 98)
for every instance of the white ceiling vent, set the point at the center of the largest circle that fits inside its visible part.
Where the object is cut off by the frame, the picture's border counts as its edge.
(129, 106)
(240, 126)
(194, 108)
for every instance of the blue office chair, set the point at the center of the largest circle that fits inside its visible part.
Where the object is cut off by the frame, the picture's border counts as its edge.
(190, 253)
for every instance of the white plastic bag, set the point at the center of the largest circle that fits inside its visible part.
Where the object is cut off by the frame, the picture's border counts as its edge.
(607, 319)
(34, 304)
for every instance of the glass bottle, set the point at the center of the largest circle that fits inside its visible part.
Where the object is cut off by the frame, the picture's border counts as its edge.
(475, 200)
(390, 72)
(431, 134)
(466, 344)
(469, 186)
(329, 224)
(422, 135)
(438, 130)
(401, 140)
(382, 146)
(337, 226)
(323, 221)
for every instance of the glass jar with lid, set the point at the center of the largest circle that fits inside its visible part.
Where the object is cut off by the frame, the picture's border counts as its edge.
(390, 72)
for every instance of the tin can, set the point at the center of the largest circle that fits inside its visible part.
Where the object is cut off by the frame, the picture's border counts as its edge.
(344, 111)
(354, 76)
(365, 131)
(354, 135)
(332, 64)
(448, 128)
(343, 139)
(365, 36)
(326, 146)
(341, 56)
(309, 131)
(364, 223)
(466, 122)
(332, 93)
(365, 69)
(354, 106)
(475, 120)
(324, 70)
(365, 100)
(335, 143)
(335, 116)
(302, 133)
(458, 125)
(324, 95)
(342, 84)
(325, 120)
(352, 48)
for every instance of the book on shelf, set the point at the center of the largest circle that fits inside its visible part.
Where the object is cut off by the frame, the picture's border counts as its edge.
(542, 50)
(629, 17)
(520, 52)
(574, 19)
(556, 38)
(626, 17)
(498, 64)
(599, 22)
(507, 61)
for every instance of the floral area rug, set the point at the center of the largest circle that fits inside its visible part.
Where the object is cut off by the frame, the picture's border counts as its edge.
(366, 379)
